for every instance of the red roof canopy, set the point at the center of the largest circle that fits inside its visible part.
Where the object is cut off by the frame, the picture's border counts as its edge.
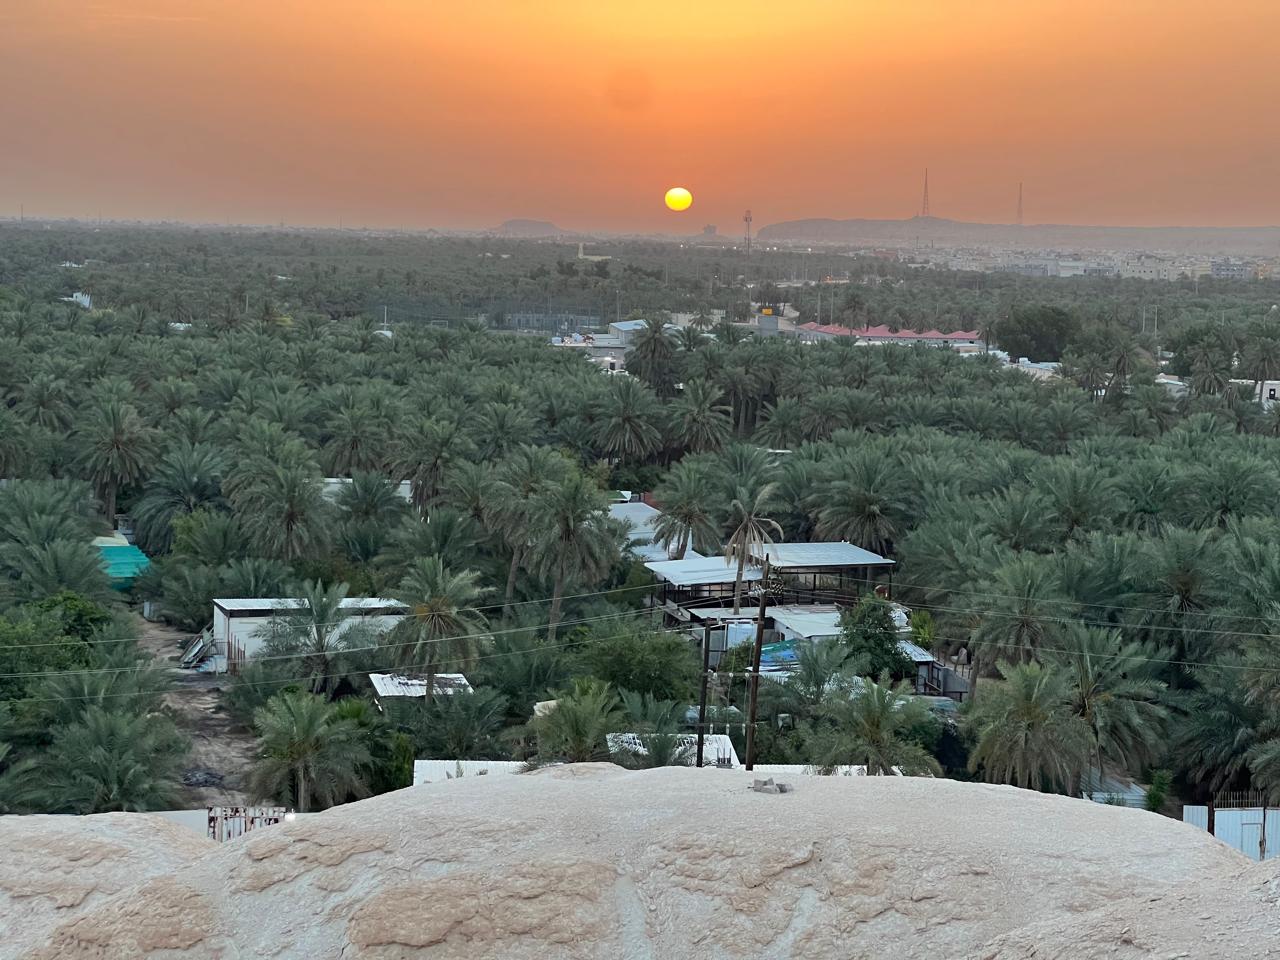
(884, 333)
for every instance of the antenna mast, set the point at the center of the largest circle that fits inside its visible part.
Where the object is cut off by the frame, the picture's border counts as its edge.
(746, 219)
(924, 206)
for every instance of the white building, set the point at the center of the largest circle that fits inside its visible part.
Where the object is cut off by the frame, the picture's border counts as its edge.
(242, 625)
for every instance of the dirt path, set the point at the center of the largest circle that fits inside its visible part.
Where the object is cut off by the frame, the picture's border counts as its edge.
(221, 751)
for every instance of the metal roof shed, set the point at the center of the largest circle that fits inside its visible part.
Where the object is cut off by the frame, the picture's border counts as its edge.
(701, 571)
(398, 685)
(832, 555)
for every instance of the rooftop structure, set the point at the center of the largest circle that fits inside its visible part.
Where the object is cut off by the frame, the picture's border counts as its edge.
(819, 556)
(641, 517)
(801, 573)
(398, 685)
(882, 334)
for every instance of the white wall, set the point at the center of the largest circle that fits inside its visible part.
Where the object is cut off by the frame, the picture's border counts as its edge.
(1239, 828)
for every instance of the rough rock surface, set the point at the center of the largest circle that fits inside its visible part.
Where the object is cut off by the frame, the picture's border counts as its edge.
(593, 861)
(54, 870)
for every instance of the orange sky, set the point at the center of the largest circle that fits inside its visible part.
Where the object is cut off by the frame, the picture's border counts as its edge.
(423, 113)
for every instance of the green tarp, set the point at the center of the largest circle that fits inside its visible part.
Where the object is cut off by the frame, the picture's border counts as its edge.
(123, 563)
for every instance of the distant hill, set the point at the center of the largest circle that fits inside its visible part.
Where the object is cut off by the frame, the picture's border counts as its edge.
(531, 228)
(1251, 241)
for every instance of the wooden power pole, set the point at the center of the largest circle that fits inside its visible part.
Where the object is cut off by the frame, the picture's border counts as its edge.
(755, 667)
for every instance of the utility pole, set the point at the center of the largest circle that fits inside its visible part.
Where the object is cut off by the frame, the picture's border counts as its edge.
(755, 667)
(702, 695)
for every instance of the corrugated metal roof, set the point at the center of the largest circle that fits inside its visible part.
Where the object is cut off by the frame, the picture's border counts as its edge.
(294, 603)
(808, 621)
(700, 571)
(830, 554)
(397, 685)
(641, 516)
(917, 653)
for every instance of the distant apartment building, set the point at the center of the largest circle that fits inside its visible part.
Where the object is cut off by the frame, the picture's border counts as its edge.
(1148, 267)
(1229, 268)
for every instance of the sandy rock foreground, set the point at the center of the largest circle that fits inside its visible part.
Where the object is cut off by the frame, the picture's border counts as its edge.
(592, 861)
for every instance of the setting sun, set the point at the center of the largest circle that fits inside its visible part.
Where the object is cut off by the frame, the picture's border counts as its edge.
(678, 198)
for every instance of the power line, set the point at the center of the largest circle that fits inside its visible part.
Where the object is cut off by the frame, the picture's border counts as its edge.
(90, 671)
(95, 642)
(332, 676)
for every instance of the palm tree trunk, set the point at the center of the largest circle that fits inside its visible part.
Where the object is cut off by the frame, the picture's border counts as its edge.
(109, 501)
(302, 789)
(554, 617)
(737, 582)
(511, 581)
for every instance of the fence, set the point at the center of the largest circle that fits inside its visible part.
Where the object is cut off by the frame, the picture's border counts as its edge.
(227, 823)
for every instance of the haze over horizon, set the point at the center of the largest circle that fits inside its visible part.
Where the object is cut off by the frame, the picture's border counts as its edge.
(394, 114)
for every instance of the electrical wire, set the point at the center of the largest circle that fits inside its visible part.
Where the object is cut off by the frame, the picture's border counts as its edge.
(345, 673)
(90, 671)
(284, 615)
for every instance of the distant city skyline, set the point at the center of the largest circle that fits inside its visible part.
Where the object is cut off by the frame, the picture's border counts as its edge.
(398, 114)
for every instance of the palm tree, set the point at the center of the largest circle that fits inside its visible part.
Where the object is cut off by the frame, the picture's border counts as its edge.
(107, 760)
(356, 441)
(1260, 362)
(464, 726)
(1114, 692)
(783, 427)
(283, 511)
(687, 519)
(1081, 496)
(449, 534)
(626, 420)
(873, 728)
(1180, 575)
(115, 445)
(820, 675)
(750, 530)
(1025, 608)
(442, 625)
(572, 538)
(1027, 734)
(520, 478)
(308, 755)
(500, 427)
(424, 454)
(15, 444)
(1221, 723)
(370, 497)
(50, 568)
(652, 356)
(861, 505)
(699, 420)
(318, 630)
(575, 729)
(187, 477)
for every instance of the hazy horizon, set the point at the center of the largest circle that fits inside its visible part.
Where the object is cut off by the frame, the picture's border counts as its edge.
(391, 116)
